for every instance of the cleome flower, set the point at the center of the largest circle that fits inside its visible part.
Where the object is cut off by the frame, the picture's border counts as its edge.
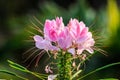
(73, 38)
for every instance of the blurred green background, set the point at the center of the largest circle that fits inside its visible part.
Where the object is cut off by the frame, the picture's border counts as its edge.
(16, 17)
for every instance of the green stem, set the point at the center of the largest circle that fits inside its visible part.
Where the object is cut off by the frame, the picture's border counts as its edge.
(64, 66)
(38, 76)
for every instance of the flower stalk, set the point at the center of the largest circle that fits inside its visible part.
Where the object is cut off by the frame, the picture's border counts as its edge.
(64, 66)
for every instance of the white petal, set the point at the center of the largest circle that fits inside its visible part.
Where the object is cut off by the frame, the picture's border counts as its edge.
(79, 51)
(71, 50)
(90, 50)
(52, 77)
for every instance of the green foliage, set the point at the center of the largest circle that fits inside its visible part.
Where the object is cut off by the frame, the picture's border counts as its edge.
(76, 74)
(98, 69)
(23, 69)
(13, 74)
(43, 76)
(109, 79)
(17, 66)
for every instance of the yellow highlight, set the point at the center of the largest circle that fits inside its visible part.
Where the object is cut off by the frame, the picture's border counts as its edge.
(113, 17)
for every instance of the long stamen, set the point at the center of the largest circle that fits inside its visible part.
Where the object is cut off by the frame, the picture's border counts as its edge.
(31, 55)
(29, 50)
(42, 52)
(39, 56)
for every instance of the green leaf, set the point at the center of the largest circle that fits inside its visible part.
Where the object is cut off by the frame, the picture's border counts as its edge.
(17, 66)
(45, 75)
(40, 76)
(76, 74)
(109, 79)
(23, 69)
(13, 74)
(98, 69)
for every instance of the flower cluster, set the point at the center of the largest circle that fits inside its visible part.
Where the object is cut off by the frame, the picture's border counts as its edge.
(73, 38)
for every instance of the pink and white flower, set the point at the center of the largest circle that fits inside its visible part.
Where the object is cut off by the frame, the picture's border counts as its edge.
(81, 36)
(74, 38)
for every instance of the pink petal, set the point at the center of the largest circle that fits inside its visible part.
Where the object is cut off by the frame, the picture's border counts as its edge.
(52, 35)
(82, 25)
(53, 28)
(84, 31)
(42, 44)
(37, 38)
(64, 39)
(59, 21)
